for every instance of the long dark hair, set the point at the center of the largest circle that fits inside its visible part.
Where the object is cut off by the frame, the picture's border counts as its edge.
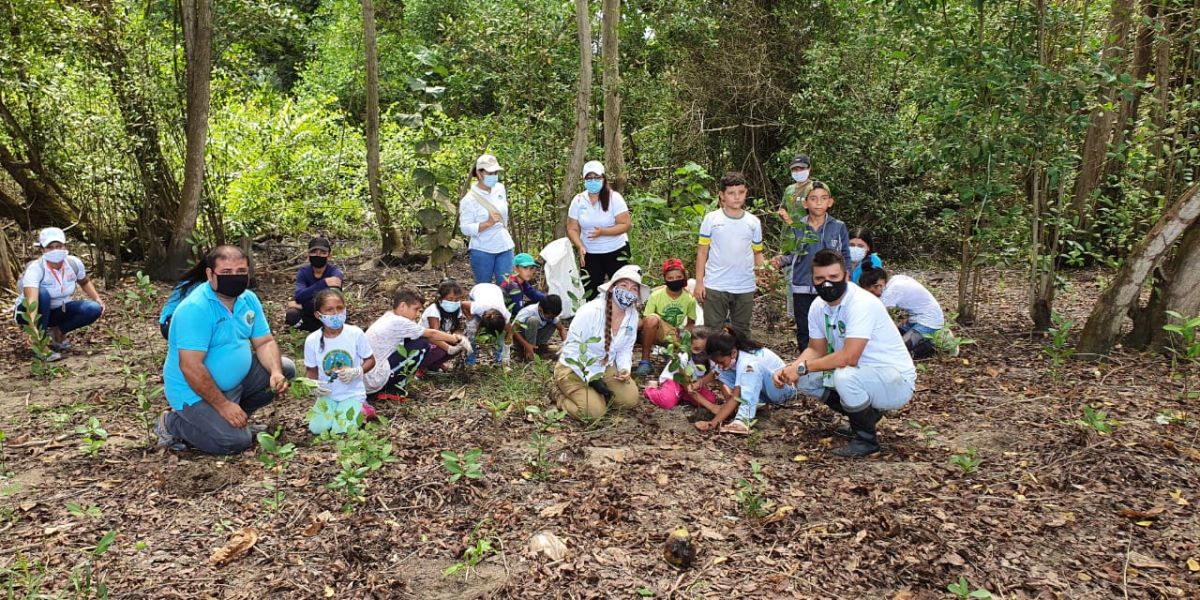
(605, 193)
(723, 343)
(449, 321)
(863, 234)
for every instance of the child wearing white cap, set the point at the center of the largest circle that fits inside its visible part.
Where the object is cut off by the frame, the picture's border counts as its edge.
(598, 223)
(47, 286)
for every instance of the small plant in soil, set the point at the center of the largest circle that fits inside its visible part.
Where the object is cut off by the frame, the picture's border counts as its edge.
(84, 581)
(751, 493)
(948, 344)
(967, 462)
(78, 510)
(1060, 348)
(497, 408)
(275, 457)
(39, 343)
(140, 297)
(144, 395)
(926, 431)
(964, 591)
(539, 462)
(471, 557)
(360, 451)
(93, 435)
(24, 576)
(1096, 420)
(1185, 348)
(463, 465)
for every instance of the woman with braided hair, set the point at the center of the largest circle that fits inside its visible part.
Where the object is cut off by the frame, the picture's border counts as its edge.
(593, 369)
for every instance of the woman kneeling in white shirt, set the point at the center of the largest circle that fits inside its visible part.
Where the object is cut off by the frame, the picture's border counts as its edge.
(593, 369)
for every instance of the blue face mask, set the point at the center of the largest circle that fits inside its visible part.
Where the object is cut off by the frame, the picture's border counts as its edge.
(334, 321)
(593, 185)
(491, 180)
(624, 298)
(450, 306)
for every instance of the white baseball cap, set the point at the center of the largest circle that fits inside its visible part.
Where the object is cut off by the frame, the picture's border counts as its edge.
(632, 273)
(593, 166)
(50, 235)
(488, 163)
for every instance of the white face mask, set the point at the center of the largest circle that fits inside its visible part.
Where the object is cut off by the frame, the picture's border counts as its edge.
(801, 176)
(56, 256)
(857, 253)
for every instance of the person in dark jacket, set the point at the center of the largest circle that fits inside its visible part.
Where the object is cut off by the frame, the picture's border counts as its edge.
(817, 231)
(317, 275)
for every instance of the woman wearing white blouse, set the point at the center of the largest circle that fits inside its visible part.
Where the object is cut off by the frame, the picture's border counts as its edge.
(598, 222)
(593, 368)
(483, 217)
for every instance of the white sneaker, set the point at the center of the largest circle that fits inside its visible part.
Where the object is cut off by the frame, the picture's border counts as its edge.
(52, 357)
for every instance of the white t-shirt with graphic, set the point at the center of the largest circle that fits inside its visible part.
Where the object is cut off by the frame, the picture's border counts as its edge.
(385, 335)
(592, 216)
(908, 294)
(60, 283)
(731, 246)
(349, 349)
(861, 315)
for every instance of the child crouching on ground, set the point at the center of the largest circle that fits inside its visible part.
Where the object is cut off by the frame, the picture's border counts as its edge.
(689, 382)
(336, 356)
(402, 348)
(535, 324)
(448, 314)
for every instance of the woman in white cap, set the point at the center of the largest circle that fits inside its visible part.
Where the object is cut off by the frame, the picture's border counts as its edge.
(593, 368)
(483, 217)
(598, 222)
(50, 281)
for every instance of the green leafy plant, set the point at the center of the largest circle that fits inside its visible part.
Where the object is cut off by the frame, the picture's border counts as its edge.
(948, 344)
(967, 462)
(463, 465)
(78, 510)
(85, 582)
(93, 435)
(964, 591)
(144, 395)
(1096, 420)
(360, 451)
(275, 457)
(39, 342)
(475, 552)
(141, 296)
(539, 460)
(751, 493)
(1186, 347)
(1060, 348)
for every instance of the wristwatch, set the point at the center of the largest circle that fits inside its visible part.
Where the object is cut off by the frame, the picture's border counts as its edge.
(802, 370)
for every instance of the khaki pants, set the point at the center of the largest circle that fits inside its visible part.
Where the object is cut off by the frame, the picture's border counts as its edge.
(737, 309)
(576, 397)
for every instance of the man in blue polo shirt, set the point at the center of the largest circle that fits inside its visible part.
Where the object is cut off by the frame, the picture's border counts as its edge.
(222, 361)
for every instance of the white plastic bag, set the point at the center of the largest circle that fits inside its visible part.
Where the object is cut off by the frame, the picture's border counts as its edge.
(562, 275)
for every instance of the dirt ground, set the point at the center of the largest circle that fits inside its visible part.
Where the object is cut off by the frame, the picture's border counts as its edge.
(1052, 510)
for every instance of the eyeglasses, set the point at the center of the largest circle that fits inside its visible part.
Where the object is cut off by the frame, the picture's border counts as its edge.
(594, 178)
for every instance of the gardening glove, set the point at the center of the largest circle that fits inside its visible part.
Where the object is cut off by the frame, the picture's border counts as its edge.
(464, 344)
(322, 389)
(602, 389)
(349, 374)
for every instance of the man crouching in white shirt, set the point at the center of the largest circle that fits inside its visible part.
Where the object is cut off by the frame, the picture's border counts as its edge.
(856, 361)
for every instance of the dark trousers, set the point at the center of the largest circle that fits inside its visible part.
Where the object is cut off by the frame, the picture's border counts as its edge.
(203, 428)
(800, 306)
(420, 354)
(302, 318)
(599, 267)
(72, 315)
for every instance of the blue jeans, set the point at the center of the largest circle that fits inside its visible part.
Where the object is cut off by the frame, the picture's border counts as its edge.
(487, 266)
(72, 315)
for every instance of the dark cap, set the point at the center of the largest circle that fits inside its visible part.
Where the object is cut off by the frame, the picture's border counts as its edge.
(319, 242)
(801, 160)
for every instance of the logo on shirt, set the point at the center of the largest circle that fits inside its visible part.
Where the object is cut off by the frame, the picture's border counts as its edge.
(248, 317)
(841, 327)
(336, 359)
(672, 315)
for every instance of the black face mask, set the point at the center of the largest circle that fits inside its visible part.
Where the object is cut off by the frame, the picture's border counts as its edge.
(232, 286)
(318, 262)
(676, 285)
(830, 291)
(700, 358)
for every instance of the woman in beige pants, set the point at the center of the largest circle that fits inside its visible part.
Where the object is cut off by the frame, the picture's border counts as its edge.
(593, 369)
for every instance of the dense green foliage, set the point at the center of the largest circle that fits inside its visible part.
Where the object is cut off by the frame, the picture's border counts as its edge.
(929, 119)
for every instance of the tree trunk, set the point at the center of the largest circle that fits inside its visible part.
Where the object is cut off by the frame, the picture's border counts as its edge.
(614, 156)
(1179, 291)
(1131, 97)
(583, 115)
(1104, 323)
(197, 37)
(1100, 127)
(386, 233)
(160, 199)
(10, 265)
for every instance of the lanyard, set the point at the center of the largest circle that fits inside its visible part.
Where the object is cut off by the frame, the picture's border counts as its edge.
(62, 287)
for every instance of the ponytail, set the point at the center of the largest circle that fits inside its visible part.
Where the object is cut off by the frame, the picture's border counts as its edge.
(608, 315)
(723, 343)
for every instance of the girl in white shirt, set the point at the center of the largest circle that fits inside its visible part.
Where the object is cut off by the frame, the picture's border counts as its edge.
(593, 368)
(598, 222)
(483, 217)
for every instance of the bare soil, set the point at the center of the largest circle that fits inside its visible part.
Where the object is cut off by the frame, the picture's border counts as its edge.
(1054, 509)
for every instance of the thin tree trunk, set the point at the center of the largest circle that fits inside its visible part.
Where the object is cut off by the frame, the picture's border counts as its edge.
(9, 264)
(583, 116)
(1100, 127)
(1179, 290)
(386, 233)
(614, 156)
(1131, 97)
(197, 37)
(1107, 316)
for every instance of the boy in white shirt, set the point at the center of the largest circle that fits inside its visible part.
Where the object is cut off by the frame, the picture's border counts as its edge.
(397, 329)
(855, 360)
(731, 246)
(925, 315)
(489, 310)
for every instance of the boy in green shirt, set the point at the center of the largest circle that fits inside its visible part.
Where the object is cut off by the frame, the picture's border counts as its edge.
(669, 308)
